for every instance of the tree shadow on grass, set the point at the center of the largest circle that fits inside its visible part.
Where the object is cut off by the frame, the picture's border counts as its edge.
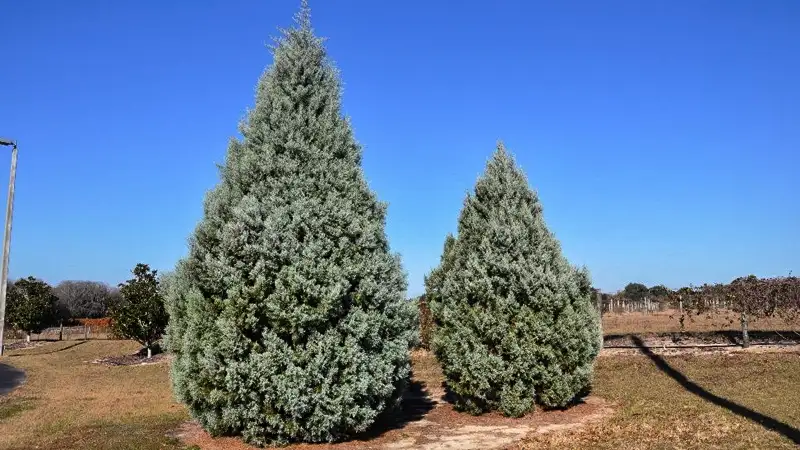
(765, 421)
(719, 338)
(33, 353)
(10, 378)
(416, 403)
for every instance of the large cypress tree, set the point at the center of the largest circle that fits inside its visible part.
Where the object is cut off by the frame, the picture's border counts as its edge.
(288, 318)
(515, 325)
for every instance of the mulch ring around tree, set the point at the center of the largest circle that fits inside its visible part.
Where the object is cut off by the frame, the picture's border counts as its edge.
(134, 359)
(428, 422)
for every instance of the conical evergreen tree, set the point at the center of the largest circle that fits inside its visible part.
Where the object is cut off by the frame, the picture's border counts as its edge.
(288, 318)
(515, 325)
(434, 280)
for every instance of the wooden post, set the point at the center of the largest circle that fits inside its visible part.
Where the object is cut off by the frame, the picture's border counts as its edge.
(745, 335)
(61, 331)
(86, 332)
(599, 301)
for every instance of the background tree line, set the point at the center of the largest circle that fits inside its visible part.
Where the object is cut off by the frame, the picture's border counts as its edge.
(33, 305)
(743, 300)
(136, 307)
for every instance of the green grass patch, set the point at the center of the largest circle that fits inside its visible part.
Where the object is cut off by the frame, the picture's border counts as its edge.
(12, 406)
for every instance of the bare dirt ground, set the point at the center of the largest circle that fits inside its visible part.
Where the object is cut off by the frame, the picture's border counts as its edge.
(701, 350)
(667, 321)
(428, 422)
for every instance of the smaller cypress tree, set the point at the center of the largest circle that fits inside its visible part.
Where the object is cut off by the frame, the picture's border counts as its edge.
(433, 282)
(515, 325)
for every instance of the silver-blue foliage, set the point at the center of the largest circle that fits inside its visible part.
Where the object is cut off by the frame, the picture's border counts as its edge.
(288, 318)
(514, 323)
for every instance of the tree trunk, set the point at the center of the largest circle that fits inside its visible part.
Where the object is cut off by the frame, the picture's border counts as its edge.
(27, 337)
(745, 336)
(149, 352)
(61, 331)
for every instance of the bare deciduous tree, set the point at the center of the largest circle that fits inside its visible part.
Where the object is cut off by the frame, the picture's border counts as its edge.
(85, 299)
(745, 299)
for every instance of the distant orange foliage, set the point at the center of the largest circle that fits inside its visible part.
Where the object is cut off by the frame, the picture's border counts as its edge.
(101, 323)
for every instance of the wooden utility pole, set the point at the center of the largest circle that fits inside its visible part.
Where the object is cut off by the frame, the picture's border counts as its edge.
(7, 238)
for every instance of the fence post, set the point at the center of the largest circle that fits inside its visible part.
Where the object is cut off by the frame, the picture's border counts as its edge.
(599, 301)
(86, 332)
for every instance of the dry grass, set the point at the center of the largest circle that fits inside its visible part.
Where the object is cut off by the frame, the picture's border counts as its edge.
(69, 403)
(667, 322)
(654, 411)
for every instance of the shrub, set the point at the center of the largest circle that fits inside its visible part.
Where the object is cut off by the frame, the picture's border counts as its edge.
(140, 314)
(288, 318)
(515, 324)
(635, 291)
(31, 306)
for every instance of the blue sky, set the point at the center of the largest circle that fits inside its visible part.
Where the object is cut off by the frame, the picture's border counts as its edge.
(662, 136)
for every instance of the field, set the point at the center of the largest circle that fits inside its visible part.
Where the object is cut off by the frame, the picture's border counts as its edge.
(67, 402)
(743, 400)
(667, 322)
(726, 399)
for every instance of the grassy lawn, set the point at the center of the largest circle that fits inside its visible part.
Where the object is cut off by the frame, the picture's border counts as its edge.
(682, 402)
(69, 403)
(654, 411)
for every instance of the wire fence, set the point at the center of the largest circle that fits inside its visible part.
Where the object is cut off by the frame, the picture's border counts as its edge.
(65, 333)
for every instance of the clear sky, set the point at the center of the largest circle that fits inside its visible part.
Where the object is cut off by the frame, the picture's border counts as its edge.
(663, 137)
